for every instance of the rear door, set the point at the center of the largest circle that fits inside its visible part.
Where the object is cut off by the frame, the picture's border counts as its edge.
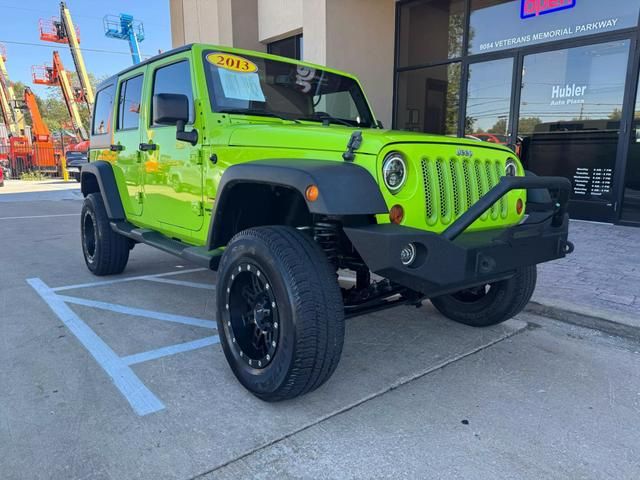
(128, 166)
(173, 190)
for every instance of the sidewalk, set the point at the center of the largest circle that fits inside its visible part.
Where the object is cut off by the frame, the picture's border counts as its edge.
(39, 190)
(599, 281)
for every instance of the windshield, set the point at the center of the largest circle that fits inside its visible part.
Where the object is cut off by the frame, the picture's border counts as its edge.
(258, 86)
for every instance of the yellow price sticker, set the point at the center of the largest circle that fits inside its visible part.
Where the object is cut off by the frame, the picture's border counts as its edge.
(232, 62)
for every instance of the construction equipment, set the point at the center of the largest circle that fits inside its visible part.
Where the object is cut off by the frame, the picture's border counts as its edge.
(15, 141)
(125, 27)
(13, 116)
(44, 157)
(62, 30)
(57, 75)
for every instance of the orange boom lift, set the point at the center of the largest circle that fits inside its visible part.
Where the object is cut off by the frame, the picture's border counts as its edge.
(17, 147)
(57, 75)
(62, 30)
(44, 157)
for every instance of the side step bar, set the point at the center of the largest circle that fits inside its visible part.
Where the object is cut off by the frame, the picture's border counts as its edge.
(199, 255)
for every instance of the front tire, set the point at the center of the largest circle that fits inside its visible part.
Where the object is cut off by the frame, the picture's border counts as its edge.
(105, 251)
(280, 312)
(490, 304)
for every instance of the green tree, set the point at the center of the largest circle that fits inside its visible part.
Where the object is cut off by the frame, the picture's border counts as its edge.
(528, 124)
(500, 127)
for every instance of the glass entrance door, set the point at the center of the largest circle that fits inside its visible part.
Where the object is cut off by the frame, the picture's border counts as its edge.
(631, 199)
(569, 120)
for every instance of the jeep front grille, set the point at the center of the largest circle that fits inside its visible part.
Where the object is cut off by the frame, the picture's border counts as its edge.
(452, 186)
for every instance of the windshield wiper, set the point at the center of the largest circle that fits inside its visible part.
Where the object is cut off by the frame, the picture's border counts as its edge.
(257, 112)
(326, 119)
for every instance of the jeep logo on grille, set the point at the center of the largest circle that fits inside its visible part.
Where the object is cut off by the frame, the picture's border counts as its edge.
(464, 153)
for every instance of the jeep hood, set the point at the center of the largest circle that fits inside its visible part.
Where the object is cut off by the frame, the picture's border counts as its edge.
(334, 138)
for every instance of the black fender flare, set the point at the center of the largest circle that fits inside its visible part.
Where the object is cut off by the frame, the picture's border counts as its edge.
(346, 189)
(99, 177)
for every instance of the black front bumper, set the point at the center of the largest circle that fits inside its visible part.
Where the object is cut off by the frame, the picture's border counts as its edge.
(455, 260)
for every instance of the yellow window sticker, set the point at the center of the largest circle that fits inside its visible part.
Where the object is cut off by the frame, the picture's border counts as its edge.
(232, 62)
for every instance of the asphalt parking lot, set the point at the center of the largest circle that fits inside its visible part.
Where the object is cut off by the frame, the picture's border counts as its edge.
(123, 377)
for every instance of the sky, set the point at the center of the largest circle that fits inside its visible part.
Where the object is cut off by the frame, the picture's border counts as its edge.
(20, 24)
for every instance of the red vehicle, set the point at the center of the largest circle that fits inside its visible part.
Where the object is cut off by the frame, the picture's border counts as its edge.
(1, 177)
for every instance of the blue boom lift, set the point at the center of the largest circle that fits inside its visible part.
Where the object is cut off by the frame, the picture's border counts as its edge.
(125, 27)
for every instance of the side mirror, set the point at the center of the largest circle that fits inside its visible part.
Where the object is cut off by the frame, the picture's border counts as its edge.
(173, 109)
(379, 123)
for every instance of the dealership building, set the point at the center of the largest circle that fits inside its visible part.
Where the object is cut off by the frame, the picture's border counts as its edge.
(555, 79)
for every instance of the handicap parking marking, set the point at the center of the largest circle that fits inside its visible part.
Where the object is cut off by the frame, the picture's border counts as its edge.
(139, 312)
(170, 350)
(204, 286)
(142, 400)
(127, 279)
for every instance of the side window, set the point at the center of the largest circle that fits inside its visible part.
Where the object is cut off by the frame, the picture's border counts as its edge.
(174, 78)
(103, 110)
(129, 103)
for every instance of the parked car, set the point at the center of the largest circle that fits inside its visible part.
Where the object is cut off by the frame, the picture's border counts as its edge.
(75, 161)
(6, 169)
(1, 177)
(277, 174)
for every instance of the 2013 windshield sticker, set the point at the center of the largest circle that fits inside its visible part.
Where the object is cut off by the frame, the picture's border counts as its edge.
(232, 62)
(533, 8)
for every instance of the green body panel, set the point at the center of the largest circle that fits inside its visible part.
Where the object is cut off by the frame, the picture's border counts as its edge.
(173, 189)
(128, 168)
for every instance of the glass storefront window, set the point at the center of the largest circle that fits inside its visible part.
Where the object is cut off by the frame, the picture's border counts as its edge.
(428, 99)
(489, 100)
(430, 31)
(502, 24)
(570, 110)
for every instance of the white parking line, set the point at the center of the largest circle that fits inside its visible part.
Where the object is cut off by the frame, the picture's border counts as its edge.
(41, 216)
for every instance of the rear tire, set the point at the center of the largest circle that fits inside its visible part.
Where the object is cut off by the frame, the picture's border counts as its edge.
(105, 251)
(490, 304)
(280, 312)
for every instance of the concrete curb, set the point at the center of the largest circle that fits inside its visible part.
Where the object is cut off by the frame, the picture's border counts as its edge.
(610, 325)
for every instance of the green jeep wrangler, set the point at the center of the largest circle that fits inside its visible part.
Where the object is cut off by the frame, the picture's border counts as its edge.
(276, 174)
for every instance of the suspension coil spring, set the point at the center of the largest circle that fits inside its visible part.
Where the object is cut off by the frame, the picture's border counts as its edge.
(327, 235)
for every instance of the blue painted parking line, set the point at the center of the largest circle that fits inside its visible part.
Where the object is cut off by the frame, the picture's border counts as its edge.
(170, 350)
(204, 286)
(126, 279)
(140, 312)
(142, 400)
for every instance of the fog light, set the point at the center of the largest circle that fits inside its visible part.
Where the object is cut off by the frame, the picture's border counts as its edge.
(519, 206)
(408, 254)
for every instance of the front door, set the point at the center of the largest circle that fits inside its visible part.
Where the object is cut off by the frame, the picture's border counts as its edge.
(173, 169)
(631, 199)
(571, 104)
(127, 139)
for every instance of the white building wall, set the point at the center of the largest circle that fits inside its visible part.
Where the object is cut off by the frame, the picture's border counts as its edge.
(279, 19)
(352, 35)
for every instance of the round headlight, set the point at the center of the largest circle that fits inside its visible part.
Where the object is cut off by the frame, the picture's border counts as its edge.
(394, 172)
(510, 168)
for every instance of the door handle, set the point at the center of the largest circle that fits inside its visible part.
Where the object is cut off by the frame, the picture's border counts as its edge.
(116, 148)
(145, 147)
